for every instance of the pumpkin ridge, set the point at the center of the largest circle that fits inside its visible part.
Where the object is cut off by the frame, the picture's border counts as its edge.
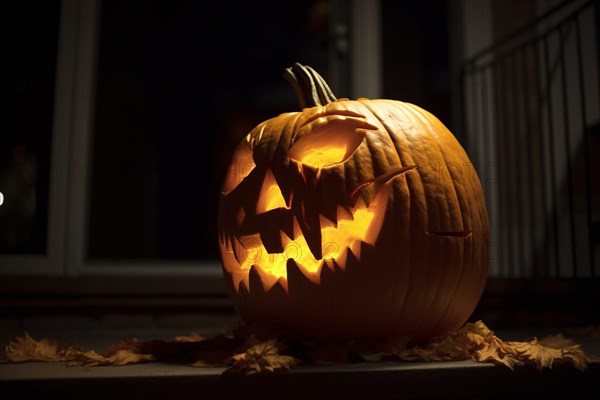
(376, 151)
(371, 103)
(471, 185)
(467, 199)
(461, 265)
(443, 207)
(458, 196)
(368, 105)
(409, 273)
(430, 262)
(374, 104)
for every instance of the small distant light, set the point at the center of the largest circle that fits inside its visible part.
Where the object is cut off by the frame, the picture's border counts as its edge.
(1, 198)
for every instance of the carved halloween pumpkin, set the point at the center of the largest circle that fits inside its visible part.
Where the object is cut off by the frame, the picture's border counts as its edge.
(353, 219)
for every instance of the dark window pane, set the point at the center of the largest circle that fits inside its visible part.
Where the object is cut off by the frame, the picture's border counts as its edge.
(417, 31)
(179, 85)
(29, 42)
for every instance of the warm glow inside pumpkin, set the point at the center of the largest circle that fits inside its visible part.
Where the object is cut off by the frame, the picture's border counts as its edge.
(348, 219)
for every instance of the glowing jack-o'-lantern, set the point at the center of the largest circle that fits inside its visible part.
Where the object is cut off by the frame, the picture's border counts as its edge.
(353, 219)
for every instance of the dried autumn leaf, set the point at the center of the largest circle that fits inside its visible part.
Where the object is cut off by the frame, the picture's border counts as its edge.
(478, 328)
(549, 349)
(121, 357)
(459, 345)
(265, 349)
(25, 348)
(557, 341)
(533, 351)
(469, 342)
(498, 352)
(449, 349)
(472, 337)
(261, 357)
(427, 353)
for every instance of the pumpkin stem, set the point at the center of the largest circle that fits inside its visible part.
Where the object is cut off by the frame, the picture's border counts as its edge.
(311, 89)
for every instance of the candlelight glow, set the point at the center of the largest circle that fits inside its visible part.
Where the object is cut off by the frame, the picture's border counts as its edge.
(362, 225)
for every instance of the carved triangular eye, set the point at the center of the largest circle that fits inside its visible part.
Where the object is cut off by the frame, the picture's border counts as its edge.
(329, 140)
(270, 196)
(240, 167)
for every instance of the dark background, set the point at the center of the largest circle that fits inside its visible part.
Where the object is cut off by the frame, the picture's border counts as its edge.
(29, 38)
(178, 85)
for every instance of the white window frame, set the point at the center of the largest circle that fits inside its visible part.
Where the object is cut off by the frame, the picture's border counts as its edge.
(52, 262)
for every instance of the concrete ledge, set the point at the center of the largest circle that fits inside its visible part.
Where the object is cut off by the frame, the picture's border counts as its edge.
(446, 380)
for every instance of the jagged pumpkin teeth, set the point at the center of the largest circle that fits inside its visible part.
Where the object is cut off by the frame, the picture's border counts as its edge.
(329, 225)
(343, 214)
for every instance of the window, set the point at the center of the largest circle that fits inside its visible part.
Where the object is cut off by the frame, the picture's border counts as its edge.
(28, 231)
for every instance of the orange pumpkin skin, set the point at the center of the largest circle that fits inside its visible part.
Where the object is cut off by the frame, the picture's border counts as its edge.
(379, 227)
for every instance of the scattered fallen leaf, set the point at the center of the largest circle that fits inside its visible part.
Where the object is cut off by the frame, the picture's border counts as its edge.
(25, 348)
(557, 341)
(549, 349)
(121, 357)
(421, 354)
(263, 349)
(261, 356)
(496, 351)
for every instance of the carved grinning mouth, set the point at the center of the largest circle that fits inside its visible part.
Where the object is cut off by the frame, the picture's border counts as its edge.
(361, 225)
(283, 230)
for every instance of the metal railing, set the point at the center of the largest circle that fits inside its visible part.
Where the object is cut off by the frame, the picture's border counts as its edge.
(531, 116)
